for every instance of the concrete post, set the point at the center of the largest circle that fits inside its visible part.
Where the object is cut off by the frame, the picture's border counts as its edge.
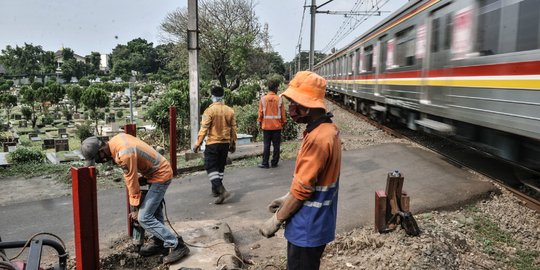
(193, 54)
(172, 138)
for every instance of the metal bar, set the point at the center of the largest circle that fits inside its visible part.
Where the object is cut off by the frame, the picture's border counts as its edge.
(324, 4)
(34, 255)
(85, 217)
(130, 129)
(172, 138)
(62, 254)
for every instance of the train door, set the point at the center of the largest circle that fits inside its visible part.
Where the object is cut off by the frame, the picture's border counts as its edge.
(438, 54)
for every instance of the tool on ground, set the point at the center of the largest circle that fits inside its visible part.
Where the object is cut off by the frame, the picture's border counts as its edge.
(137, 230)
(392, 207)
(35, 247)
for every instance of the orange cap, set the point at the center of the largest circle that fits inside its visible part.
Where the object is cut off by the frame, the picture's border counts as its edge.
(307, 89)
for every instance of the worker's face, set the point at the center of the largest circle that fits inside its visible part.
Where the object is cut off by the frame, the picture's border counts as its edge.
(102, 156)
(298, 112)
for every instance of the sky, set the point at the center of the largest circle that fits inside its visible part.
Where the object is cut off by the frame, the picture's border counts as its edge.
(99, 25)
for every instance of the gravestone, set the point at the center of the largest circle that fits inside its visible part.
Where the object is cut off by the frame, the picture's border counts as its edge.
(10, 146)
(34, 137)
(17, 116)
(48, 144)
(63, 136)
(23, 123)
(61, 145)
(61, 130)
(77, 116)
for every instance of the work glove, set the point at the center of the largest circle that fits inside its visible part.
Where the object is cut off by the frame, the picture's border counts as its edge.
(134, 212)
(270, 227)
(232, 148)
(276, 203)
(196, 148)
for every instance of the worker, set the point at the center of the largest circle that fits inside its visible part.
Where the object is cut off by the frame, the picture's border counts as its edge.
(136, 157)
(219, 123)
(310, 207)
(271, 118)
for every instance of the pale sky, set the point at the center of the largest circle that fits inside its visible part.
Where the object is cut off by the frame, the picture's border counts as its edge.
(99, 25)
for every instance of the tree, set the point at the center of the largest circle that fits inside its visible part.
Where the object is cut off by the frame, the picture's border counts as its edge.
(138, 55)
(74, 93)
(8, 101)
(94, 99)
(30, 97)
(73, 68)
(229, 30)
(93, 61)
(22, 60)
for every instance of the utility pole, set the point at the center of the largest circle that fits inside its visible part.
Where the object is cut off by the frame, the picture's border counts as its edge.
(298, 68)
(193, 51)
(313, 9)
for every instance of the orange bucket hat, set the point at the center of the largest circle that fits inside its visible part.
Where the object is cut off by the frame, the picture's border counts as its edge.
(307, 89)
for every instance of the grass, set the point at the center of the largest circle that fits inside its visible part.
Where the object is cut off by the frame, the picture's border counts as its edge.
(34, 169)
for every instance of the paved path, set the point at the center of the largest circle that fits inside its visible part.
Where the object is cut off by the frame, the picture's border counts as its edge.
(430, 181)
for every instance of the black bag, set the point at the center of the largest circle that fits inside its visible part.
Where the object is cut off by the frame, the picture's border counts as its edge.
(408, 223)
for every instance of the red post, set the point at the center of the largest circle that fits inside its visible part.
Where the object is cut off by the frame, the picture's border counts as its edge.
(172, 138)
(85, 218)
(130, 129)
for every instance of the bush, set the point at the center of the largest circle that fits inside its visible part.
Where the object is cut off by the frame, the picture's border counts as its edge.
(246, 119)
(26, 155)
(84, 131)
(119, 114)
(47, 119)
(84, 82)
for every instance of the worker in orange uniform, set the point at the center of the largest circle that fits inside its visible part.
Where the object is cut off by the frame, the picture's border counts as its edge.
(310, 207)
(136, 157)
(219, 123)
(271, 118)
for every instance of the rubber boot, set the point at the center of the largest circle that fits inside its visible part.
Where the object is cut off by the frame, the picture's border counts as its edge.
(154, 247)
(223, 195)
(177, 253)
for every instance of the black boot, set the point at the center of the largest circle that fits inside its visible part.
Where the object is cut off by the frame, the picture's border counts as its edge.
(223, 194)
(154, 247)
(177, 253)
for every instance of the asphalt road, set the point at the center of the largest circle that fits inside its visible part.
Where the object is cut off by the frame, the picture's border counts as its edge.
(431, 182)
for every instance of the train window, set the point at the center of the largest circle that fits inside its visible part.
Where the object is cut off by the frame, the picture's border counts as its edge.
(351, 64)
(528, 25)
(448, 31)
(405, 50)
(435, 25)
(489, 21)
(359, 68)
(368, 58)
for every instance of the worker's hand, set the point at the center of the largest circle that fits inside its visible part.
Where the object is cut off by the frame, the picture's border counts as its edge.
(196, 148)
(276, 203)
(232, 148)
(270, 227)
(134, 214)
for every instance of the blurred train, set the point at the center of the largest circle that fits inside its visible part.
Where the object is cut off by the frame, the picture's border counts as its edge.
(466, 68)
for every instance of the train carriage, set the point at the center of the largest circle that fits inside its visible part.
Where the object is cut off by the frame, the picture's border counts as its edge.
(466, 68)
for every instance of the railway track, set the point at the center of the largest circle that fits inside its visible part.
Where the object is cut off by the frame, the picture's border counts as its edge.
(465, 156)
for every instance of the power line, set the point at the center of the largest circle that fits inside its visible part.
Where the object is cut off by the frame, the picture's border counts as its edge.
(299, 43)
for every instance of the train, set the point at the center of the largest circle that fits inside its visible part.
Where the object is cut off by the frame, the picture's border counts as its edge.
(467, 69)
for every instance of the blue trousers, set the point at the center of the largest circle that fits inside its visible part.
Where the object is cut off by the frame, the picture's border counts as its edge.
(151, 214)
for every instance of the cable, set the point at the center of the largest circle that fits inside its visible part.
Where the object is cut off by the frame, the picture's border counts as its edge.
(234, 256)
(34, 236)
(7, 266)
(299, 43)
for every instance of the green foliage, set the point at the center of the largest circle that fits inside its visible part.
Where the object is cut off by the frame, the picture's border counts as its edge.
(34, 169)
(37, 85)
(147, 89)
(138, 55)
(246, 119)
(119, 114)
(84, 82)
(4, 87)
(25, 155)
(244, 95)
(84, 131)
(94, 98)
(25, 60)
(290, 130)
(74, 93)
(47, 119)
(26, 112)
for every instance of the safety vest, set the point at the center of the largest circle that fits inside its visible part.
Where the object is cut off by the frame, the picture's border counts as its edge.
(316, 182)
(271, 112)
(219, 123)
(136, 156)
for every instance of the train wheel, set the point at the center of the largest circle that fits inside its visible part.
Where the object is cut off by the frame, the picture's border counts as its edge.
(364, 109)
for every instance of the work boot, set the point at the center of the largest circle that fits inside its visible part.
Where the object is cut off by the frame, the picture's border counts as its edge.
(223, 194)
(262, 166)
(177, 253)
(154, 247)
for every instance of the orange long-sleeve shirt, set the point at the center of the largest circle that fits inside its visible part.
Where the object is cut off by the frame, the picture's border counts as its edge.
(135, 156)
(219, 123)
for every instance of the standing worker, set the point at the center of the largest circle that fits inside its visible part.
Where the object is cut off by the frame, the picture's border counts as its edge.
(219, 123)
(271, 119)
(135, 156)
(310, 207)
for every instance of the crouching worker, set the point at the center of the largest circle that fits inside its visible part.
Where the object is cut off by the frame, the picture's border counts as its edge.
(135, 156)
(310, 207)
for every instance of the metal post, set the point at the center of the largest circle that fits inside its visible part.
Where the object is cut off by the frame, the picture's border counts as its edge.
(193, 52)
(312, 35)
(130, 129)
(172, 138)
(85, 218)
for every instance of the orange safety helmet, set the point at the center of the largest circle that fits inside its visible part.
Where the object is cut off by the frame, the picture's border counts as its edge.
(307, 89)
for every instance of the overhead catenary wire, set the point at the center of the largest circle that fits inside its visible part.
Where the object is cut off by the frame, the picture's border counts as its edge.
(351, 23)
(299, 42)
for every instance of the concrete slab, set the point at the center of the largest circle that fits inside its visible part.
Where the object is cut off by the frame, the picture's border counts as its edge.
(211, 245)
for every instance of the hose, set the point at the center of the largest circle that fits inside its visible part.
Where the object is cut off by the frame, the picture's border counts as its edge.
(7, 265)
(34, 236)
